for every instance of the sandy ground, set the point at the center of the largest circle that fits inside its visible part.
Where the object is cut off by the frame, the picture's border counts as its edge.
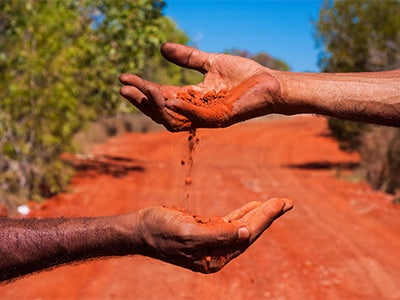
(341, 241)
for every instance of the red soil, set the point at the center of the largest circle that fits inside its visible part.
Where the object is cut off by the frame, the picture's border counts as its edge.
(197, 98)
(341, 240)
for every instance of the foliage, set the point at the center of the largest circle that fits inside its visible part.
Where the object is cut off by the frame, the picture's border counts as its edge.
(362, 36)
(159, 70)
(59, 67)
(38, 93)
(380, 152)
(348, 133)
(359, 35)
(393, 157)
(123, 35)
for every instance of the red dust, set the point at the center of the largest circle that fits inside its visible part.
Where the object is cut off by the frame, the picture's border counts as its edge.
(200, 99)
(215, 220)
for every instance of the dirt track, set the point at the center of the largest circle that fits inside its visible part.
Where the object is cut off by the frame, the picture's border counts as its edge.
(341, 241)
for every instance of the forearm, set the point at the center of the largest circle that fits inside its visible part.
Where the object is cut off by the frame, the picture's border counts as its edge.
(30, 245)
(372, 97)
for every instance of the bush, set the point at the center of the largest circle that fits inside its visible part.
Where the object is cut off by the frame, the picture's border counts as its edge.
(59, 68)
(379, 148)
(394, 164)
(362, 36)
(348, 133)
(380, 153)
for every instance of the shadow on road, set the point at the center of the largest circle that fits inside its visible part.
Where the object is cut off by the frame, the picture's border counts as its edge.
(116, 166)
(324, 165)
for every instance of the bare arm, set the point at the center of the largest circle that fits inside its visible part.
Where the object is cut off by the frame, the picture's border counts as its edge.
(252, 90)
(173, 236)
(372, 97)
(30, 245)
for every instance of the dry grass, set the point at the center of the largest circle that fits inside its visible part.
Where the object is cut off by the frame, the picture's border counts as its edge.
(98, 132)
(380, 153)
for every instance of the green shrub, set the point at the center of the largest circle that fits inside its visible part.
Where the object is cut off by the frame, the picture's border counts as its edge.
(348, 133)
(362, 36)
(59, 68)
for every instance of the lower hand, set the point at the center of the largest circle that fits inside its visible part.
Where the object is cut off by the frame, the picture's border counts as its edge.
(205, 245)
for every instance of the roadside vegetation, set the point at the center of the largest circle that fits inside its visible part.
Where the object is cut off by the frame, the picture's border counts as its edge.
(359, 36)
(59, 68)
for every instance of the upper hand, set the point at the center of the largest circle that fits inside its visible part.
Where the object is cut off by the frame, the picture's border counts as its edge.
(205, 245)
(251, 89)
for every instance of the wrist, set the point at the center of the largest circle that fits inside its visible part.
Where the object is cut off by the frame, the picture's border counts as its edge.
(292, 97)
(256, 96)
(107, 236)
(128, 233)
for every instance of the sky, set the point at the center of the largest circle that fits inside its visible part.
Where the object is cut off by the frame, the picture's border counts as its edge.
(283, 29)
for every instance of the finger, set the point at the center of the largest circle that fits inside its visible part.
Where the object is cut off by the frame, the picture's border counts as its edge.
(240, 212)
(153, 92)
(187, 57)
(183, 107)
(133, 95)
(176, 122)
(138, 82)
(173, 120)
(214, 234)
(262, 217)
(137, 98)
(130, 79)
(151, 102)
(150, 90)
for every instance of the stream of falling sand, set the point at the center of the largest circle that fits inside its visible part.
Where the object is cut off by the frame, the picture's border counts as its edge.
(187, 164)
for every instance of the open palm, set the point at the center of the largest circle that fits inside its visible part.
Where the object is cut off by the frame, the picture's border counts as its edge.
(248, 85)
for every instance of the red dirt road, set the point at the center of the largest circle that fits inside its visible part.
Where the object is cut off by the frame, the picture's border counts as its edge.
(341, 240)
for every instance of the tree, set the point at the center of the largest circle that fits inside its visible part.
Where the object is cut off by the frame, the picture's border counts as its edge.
(358, 36)
(124, 35)
(39, 63)
(158, 69)
(59, 67)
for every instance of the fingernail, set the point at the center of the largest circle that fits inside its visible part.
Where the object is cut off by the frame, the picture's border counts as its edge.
(288, 205)
(243, 233)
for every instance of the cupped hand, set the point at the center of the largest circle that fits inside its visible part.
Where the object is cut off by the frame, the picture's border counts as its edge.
(250, 90)
(205, 245)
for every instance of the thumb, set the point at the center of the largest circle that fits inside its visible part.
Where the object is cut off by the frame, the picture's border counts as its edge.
(262, 217)
(243, 233)
(187, 57)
